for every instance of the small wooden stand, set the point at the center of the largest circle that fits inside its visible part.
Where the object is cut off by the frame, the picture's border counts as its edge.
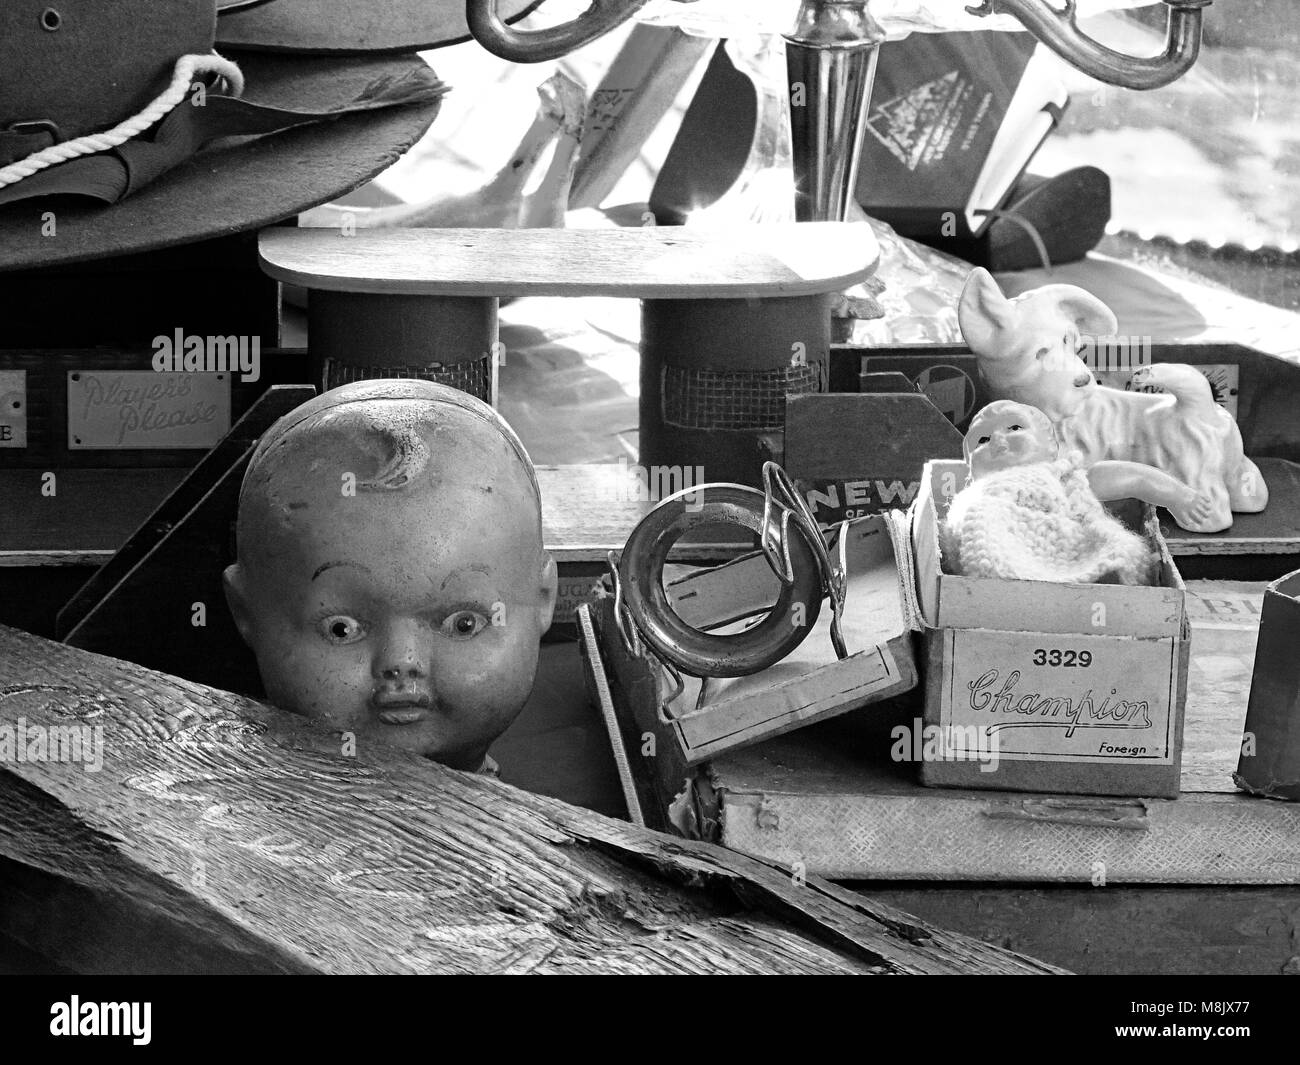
(732, 320)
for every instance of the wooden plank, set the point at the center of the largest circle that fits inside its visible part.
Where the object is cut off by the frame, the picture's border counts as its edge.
(648, 262)
(1105, 930)
(249, 831)
(1275, 530)
(587, 510)
(90, 515)
(591, 509)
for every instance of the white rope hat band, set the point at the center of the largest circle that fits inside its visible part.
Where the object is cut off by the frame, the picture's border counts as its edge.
(187, 67)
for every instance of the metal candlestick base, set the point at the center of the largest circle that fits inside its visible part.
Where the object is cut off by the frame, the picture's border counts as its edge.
(831, 59)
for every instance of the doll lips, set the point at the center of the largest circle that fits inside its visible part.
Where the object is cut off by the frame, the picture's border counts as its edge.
(401, 708)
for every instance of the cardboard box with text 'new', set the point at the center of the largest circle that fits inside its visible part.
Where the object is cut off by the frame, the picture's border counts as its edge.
(1037, 686)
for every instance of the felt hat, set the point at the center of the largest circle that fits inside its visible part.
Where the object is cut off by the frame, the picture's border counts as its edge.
(142, 124)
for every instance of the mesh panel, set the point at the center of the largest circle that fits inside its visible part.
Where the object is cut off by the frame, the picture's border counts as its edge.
(735, 399)
(473, 376)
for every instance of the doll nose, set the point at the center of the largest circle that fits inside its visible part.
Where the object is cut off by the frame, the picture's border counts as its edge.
(402, 656)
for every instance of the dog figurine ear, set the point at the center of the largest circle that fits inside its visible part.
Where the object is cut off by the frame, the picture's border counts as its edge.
(1092, 316)
(985, 315)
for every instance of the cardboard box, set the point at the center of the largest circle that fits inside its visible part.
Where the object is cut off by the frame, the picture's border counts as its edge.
(811, 683)
(854, 454)
(1037, 686)
(1270, 750)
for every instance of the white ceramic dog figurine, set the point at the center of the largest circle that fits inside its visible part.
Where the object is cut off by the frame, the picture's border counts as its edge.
(1027, 349)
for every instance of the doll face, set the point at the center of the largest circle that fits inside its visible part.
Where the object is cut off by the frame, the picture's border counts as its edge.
(411, 615)
(1005, 435)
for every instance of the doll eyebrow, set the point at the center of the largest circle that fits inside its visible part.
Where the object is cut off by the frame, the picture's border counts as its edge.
(332, 565)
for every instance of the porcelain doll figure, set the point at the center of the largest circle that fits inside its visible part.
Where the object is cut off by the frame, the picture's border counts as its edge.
(1029, 513)
(1027, 349)
(390, 574)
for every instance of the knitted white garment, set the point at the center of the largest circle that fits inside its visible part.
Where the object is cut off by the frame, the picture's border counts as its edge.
(1042, 522)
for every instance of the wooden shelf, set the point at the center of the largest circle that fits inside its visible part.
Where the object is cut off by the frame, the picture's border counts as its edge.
(649, 262)
(587, 511)
(1274, 531)
(89, 516)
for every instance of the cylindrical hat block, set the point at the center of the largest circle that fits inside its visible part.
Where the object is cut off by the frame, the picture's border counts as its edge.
(1270, 747)
(715, 374)
(357, 336)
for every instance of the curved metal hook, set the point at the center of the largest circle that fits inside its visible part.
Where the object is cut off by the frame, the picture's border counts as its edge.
(537, 46)
(1057, 29)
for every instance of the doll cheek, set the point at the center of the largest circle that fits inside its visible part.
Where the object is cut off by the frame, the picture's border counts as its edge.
(320, 675)
(472, 666)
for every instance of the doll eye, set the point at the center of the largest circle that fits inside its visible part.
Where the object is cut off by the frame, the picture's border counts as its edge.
(341, 629)
(1042, 353)
(1015, 428)
(464, 624)
(983, 439)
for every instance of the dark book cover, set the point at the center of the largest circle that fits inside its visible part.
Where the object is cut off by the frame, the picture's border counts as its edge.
(938, 102)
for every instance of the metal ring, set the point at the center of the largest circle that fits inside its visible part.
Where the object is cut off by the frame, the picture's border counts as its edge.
(693, 651)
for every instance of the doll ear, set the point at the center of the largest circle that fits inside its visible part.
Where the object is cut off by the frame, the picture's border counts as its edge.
(237, 600)
(984, 315)
(546, 610)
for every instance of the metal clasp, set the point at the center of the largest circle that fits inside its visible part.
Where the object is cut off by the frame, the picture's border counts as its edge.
(780, 494)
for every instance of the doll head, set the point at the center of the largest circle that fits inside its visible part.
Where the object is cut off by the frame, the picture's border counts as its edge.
(1006, 434)
(390, 574)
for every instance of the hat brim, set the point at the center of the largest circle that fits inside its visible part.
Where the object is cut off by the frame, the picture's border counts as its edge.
(353, 26)
(237, 184)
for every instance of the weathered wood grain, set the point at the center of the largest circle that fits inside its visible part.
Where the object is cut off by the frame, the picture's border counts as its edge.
(246, 833)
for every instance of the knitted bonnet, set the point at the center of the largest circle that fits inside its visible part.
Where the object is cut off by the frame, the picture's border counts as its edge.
(1040, 521)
